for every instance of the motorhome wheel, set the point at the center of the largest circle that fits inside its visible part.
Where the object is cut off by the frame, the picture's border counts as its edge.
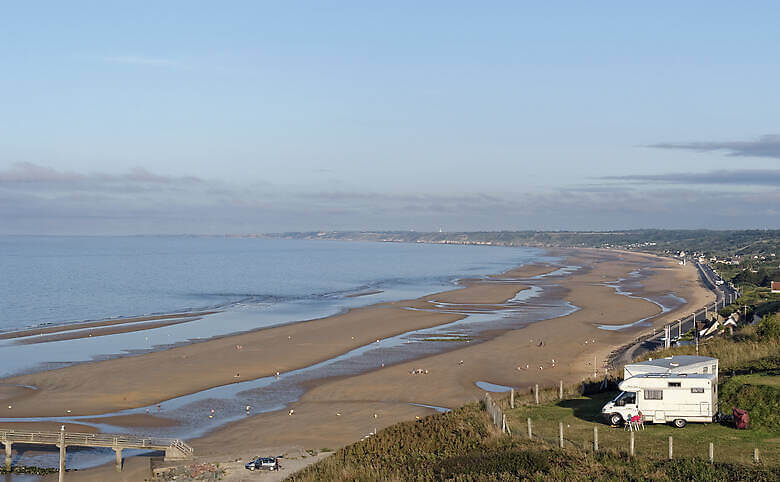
(615, 419)
(679, 423)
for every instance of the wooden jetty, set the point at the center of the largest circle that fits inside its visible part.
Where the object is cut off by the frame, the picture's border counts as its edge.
(174, 449)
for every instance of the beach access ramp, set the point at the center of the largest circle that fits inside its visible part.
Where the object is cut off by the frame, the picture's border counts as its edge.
(174, 449)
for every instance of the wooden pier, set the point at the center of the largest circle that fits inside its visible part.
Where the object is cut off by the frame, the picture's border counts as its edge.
(174, 449)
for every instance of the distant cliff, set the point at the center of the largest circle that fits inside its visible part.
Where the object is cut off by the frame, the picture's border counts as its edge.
(744, 242)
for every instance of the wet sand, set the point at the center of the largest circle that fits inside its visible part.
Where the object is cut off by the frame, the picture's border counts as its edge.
(106, 330)
(572, 341)
(126, 323)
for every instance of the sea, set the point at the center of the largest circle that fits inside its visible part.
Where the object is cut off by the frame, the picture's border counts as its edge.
(59, 279)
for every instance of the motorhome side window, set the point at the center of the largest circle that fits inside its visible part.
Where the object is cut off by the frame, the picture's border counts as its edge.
(626, 398)
(697, 390)
(675, 384)
(654, 394)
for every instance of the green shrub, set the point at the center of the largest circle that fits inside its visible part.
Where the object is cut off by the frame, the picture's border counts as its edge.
(762, 402)
(769, 327)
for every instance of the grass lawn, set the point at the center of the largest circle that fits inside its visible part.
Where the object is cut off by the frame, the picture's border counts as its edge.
(579, 415)
(770, 380)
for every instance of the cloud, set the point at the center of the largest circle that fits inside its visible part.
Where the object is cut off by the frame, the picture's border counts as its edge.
(744, 177)
(31, 174)
(35, 199)
(361, 196)
(764, 146)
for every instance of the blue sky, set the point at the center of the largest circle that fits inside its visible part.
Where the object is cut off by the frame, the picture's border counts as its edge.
(173, 117)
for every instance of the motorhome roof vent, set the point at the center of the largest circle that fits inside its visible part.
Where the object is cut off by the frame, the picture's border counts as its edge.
(669, 358)
(675, 364)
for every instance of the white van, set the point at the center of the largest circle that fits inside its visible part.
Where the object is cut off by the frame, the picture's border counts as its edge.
(665, 397)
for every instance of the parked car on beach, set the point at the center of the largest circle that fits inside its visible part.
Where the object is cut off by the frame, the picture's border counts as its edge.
(263, 463)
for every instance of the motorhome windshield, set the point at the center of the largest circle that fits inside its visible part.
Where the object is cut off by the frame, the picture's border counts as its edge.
(625, 398)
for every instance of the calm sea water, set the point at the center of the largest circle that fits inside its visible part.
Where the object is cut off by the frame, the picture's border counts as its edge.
(65, 279)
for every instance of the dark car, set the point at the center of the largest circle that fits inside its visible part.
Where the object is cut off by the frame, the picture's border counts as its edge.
(263, 463)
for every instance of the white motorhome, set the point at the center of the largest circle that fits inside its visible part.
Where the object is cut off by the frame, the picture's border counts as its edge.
(679, 364)
(665, 397)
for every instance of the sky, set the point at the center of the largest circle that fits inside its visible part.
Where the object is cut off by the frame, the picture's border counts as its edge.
(255, 117)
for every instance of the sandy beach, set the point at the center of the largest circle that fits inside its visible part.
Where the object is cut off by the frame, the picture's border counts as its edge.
(336, 411)
(451, 384)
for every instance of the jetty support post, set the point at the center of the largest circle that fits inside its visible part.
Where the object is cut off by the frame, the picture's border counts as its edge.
(118, 451)
(530, 434)
(62, 454)
(560, 390)
(512, 398)
(712, 452)
(7, 455)
(671, 447)
(631, 444)
(595, 438)
(536, 393)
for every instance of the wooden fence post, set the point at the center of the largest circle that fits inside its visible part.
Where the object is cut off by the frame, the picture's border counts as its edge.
(530, 434)
(512, 398)
(595, 438)
(631, 444)
(712, 452)
(536, 393)
(755, 455)
(670, 447)
(560, 434)
(560, 390)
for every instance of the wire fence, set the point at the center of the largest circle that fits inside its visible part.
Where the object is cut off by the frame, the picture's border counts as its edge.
(652, 442)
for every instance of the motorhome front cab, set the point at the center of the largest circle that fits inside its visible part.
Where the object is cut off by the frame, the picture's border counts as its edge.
(665, 397)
